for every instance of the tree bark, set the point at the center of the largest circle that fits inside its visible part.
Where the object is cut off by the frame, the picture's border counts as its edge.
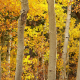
(8, 56)
(20, 50)
(0, 64)
(78, 68)
(0, 58)
(52, 35)
(63, 71)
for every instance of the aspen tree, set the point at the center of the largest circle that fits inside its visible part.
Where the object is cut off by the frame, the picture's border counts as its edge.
(0, 64)
(52, 36)
(63, 71)
(20, 50)
(78, 68)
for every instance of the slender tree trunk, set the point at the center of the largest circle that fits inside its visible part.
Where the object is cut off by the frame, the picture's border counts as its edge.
(0, 64)
(0, 57)
(78, 69)
(9, 48)
(8, 57)
(21, 22)
(63, 71)
(52, 35)
(43, 53)
(8, 53)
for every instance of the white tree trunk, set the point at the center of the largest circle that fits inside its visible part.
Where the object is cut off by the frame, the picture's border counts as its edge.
(0, 64)
(52, 35)
(0, 57)
(21, 22)
(63, 71)
(78, 68)
(8, 53)
(8, 56)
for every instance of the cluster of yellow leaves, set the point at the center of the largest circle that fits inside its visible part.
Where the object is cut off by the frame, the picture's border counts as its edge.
(9, 9)
(74, 33)
(59, 65)
(59, 18)
(65, 2)
(37, 8)
(10, 5)
(28, 62)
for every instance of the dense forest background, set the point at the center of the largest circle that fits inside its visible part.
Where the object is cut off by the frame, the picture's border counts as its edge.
(36, 39)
